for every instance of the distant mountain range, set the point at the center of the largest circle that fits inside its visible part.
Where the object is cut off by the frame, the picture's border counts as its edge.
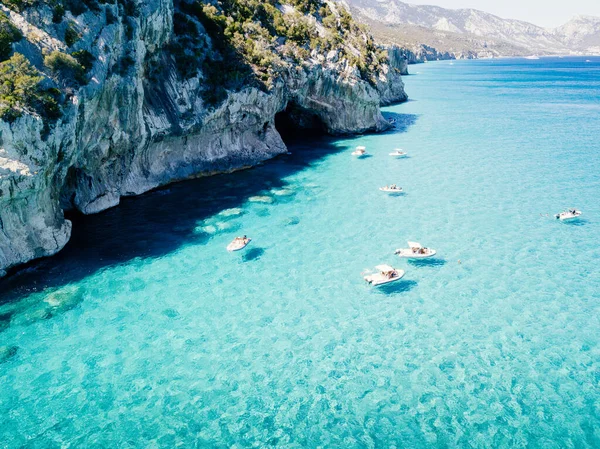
(470, 33)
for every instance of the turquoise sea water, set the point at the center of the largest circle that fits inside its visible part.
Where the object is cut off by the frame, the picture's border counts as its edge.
(146, 333)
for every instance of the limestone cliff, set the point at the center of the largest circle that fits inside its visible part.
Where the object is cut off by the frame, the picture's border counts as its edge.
(137, 123)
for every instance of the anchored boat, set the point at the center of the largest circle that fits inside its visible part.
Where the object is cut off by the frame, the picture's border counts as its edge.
(398, 153)
(568, 215)
(393, 189)
(415, 251)
(360, 152)
(385, 275)
(238, 243)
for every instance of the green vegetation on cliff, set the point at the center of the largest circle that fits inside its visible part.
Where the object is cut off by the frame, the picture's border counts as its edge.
(227, 44)
(255, 41)
(59, 6)
(21, 83)
(65, 69)
(8, 34)
(20, 90)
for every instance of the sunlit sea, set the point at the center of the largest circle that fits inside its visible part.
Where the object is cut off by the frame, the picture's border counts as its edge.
(146, 333)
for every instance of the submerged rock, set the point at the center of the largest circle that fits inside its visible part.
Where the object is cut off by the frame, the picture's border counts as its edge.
(65, 298)
(210, 229)
(227, 226)
(170, 313)
(282, 192)
(7, 353)
(52, 303)
(292, 221)
(214, 227)
(263, 212)
(233, 212)
(261, 199)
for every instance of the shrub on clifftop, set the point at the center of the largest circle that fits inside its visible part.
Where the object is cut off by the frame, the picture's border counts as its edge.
(18, 85)
(20, 91)
(65, 68)
(257, 41)
(18, 5)
(8, 34)
(85, 58)
(58, 6)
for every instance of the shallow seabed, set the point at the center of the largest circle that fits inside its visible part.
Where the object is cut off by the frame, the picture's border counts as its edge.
(146, 333)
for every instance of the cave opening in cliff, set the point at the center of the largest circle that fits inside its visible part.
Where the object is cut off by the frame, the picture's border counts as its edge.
(296, 122)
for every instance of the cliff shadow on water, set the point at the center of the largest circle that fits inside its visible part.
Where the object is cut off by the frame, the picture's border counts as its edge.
(159, 222)
(400, 122)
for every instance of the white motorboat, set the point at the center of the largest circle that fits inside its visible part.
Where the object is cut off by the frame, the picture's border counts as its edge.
(385, 275)
(398, 153)
(360, 152)
(238, 243)
(393, 189)
(568, 215)
(415, 251)
(532, 57)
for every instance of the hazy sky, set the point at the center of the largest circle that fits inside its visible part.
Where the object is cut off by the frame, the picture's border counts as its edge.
(549, 13)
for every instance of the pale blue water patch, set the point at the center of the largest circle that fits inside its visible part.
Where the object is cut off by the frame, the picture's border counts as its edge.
(145, 332)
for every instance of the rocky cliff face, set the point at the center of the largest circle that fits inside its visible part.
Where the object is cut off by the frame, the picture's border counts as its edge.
(420, 53)
(581, 33)
(137, 124)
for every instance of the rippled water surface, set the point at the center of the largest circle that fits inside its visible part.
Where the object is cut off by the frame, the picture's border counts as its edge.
(145, 332)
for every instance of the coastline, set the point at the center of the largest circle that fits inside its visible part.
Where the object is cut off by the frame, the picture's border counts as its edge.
(235, 167)
(126, 132)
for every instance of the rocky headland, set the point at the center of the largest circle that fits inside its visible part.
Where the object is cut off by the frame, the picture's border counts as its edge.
(105, 100)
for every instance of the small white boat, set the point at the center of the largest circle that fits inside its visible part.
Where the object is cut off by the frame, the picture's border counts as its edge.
(415, 251)
(393, 189)
(532, 57)
(398, 153)
(360, 152)
(568, 215)
(238, 243)
(385, 275)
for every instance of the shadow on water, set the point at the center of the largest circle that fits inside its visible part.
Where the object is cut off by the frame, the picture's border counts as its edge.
(577, 222)
(253, 254)
(397, 287)
(292, 221)
(7, 353)
(427, 262)
(401, 121)
(159, 222)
